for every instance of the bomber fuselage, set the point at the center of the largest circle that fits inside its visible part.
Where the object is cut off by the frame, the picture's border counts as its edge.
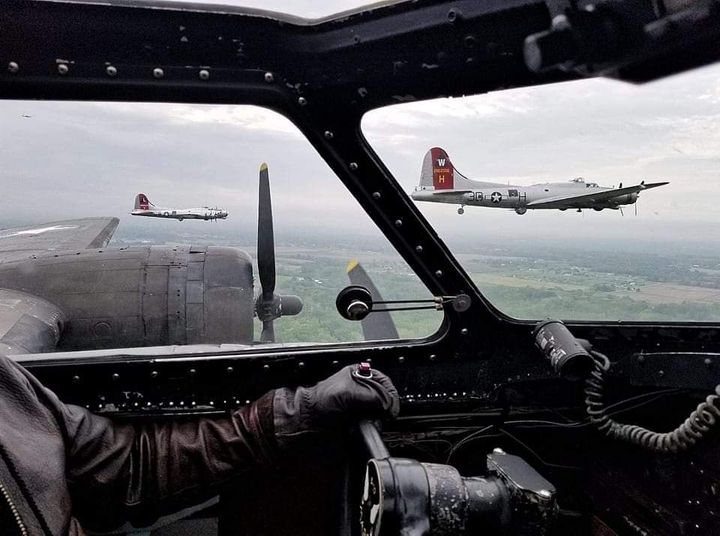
(518, 197)
(203, 213)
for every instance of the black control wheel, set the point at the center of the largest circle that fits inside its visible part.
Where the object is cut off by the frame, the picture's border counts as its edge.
(371, 501)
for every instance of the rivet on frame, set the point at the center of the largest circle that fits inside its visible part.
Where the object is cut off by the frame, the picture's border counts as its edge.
(302, 101)
(158, 72)
(110, 70)
(438, 273)
(418, 249)
(353, 166)
(329, 135)
(204, 74)
(376, 195)
(13, 67)
(63, 68)
(269, 77)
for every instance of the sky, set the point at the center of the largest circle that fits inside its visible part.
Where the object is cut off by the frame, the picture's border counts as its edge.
(301, 8)
(64, 159)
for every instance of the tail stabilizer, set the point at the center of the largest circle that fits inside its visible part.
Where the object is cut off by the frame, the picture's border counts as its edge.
(142, 202)
(438, 173)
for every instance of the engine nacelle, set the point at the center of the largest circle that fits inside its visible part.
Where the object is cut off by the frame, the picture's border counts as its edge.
(143, 296)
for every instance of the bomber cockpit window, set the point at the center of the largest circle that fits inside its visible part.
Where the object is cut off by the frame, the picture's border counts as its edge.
(159, 224)
(592, 199)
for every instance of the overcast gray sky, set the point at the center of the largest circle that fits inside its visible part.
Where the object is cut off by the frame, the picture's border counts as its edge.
(79, 159)
(300, 8)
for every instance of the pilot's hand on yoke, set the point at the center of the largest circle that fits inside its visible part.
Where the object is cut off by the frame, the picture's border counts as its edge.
(333, 404)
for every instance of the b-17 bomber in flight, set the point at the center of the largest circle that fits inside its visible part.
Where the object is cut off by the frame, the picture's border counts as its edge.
(143, 207)
(440, 182)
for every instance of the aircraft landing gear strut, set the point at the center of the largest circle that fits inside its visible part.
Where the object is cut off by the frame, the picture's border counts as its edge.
(461, 210)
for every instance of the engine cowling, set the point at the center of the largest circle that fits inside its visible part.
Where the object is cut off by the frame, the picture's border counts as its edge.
(143, 296)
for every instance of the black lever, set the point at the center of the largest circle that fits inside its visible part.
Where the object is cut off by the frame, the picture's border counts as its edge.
(372, 440)
(355, 302)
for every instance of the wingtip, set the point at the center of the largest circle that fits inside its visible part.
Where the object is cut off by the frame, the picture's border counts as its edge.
(655, 184)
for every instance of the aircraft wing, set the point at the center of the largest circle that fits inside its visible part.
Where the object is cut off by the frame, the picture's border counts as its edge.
(22, 242)
(570, 201)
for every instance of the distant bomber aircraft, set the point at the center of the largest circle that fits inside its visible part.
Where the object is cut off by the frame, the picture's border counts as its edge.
(440, 182)
(143, 207)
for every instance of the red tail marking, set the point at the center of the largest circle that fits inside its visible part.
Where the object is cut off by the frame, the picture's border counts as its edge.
(144, 202)
(443, 171)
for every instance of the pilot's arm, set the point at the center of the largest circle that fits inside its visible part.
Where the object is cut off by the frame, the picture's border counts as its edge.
(118, 472)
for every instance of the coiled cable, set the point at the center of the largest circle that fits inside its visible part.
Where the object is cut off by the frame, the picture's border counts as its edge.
(705, 416)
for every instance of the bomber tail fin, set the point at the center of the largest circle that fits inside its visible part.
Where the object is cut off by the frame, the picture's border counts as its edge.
(437, 171)
(142, 202)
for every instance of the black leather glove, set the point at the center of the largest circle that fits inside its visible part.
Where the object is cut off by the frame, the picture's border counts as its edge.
(334, 402)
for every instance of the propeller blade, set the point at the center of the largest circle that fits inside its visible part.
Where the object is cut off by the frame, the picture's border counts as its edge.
(635, 207)
(268, 305)
(621, 211)
(268, 331)
(379, 325)
(620, 187)
(266, 237)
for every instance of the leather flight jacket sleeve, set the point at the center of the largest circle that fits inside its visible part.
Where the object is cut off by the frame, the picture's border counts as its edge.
(60, 461)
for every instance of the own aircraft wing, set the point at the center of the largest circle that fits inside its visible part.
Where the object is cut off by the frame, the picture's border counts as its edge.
(29, 324)
(23, 242)
(570, 201)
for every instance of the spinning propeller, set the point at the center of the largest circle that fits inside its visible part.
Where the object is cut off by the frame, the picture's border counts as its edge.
(268, 305)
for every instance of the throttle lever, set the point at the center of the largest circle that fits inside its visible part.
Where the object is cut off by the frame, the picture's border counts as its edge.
(372, 440)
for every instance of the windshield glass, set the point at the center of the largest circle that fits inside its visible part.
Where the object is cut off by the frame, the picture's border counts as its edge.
(185, 261)
(309, 9)
(592, 199)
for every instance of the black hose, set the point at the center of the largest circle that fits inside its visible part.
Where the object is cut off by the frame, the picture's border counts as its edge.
(705, 416)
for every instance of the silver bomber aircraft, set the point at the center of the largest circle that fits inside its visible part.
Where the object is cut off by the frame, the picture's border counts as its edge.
(440, 182)
(143, 207)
